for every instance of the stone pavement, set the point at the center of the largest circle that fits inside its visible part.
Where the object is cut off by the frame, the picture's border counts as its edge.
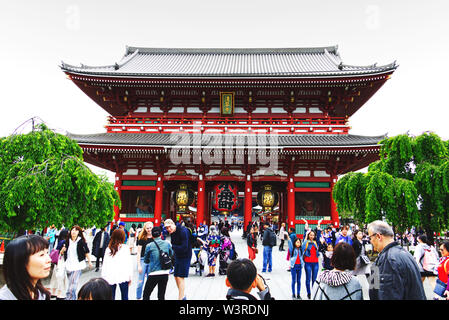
(214, 288)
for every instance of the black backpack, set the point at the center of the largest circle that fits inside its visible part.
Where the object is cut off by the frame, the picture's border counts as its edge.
(164, 258)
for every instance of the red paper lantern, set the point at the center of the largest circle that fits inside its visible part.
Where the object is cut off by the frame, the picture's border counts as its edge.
(225, 197)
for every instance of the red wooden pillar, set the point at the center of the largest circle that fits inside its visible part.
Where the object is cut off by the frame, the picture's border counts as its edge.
(158, 201)
(334, 212)
(201, 196)
(248, 214)
(118, 188)
(291, 202)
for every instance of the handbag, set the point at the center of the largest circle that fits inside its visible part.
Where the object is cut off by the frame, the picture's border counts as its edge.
(60, 268)
(54, 255)
(440, 288)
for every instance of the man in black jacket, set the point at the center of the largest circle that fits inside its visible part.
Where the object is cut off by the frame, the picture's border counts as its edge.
(268, 242)
(99, 245)
(395, 274)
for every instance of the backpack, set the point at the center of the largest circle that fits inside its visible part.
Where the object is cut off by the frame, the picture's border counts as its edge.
(192, 236)
(429, 260)
(233, 253)
(272, 238)
(164, 258)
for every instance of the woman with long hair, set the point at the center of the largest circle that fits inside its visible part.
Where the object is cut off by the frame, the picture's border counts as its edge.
(117, 264)
(25, 263)
(75, 252)
(296, 263)
(144, 238)
(310, 250)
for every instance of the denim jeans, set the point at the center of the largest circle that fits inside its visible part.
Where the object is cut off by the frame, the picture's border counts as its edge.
(73, 277)
(124, 286)
(141, 278)
(267, 258)
(296, 278)
(311, 269)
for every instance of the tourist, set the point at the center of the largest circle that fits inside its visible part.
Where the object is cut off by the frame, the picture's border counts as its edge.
(213, 247)
(311, 253)
(25, 263)
(443, 271)
(203, 231)
(95, 289)
(296, 263)
(143, 240)
(401, 279)
(156, 275)
(50, 236)
(225, 250)
(117, 265)
(99, 245)
(132, 238)
(241, 278)
(59, 281)
(268, 242)
(75, 251)
(426, 257)
(362, 260)
(329, 236)
(344, 236)
(339, 283)
(283, 235)
(180, 241)
(122, 226)
(251, 242)
(327, 256)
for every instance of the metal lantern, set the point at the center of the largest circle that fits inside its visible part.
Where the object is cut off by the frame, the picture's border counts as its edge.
(184, 197)
(267, 198)
(225, 197)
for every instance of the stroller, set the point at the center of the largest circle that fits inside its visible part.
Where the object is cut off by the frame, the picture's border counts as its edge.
(201, 259)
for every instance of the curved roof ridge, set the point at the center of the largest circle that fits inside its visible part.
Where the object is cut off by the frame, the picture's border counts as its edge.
(148, 50)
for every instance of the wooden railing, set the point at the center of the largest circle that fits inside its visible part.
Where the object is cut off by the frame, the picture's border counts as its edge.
(286, 125)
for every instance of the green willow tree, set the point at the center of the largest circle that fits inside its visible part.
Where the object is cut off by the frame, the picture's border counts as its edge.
(43, 180)
(408, 186)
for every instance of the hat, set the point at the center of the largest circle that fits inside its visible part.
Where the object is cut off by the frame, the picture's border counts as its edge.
(122, 224)
(156, 232)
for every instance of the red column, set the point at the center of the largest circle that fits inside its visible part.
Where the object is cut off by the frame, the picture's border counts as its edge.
(158, 201)
(200, 205)
(291, 202)
(117, 187)
(334, 212)
(248, 201)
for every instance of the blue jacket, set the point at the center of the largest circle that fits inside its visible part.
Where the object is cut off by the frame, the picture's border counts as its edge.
(294, 252)
(307, 245)
(152, 254)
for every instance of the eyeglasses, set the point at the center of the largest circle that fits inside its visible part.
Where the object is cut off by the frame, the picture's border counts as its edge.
(369, 236)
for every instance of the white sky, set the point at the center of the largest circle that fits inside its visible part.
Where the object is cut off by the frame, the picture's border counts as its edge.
(36, 35)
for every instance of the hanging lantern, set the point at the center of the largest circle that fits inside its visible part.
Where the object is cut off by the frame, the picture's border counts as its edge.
(267, 199)
(225, 197)
(183, 198)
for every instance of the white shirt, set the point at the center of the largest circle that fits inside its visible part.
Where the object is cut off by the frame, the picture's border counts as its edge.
(118, 268)
(72, 263)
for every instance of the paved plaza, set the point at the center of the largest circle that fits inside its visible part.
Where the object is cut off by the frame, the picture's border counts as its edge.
(214, 288)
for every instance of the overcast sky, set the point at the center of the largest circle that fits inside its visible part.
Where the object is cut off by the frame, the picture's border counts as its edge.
(36, 35)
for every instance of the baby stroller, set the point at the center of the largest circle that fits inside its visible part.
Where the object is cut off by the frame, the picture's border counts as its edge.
(200, 259)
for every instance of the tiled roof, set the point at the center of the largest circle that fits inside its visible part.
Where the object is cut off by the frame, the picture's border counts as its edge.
(209, 140)
(242, 62)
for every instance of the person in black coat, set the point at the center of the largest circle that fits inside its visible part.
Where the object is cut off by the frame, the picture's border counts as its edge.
(99, 245)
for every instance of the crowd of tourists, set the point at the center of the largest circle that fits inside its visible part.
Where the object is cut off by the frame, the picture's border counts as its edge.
(340, 255)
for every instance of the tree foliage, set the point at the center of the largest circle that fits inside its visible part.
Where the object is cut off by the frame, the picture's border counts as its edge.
(408, 186)
(43, 181)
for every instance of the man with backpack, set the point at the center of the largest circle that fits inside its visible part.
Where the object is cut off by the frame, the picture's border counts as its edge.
(158, 254)
(268, 242)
